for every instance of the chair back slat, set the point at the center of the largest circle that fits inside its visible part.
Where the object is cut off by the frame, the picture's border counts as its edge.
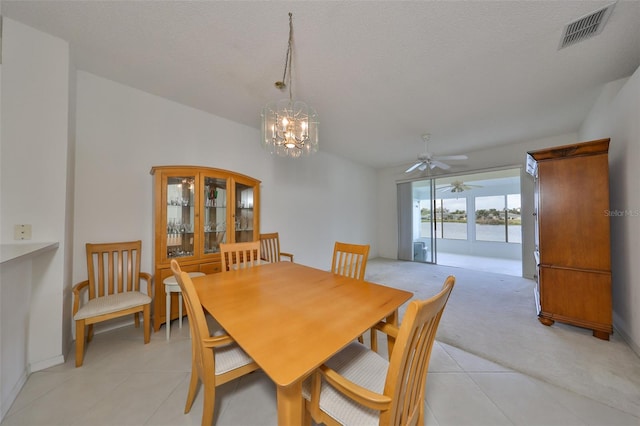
(409, 362)
(113, 268)
(270, 247)
(350, 259)
(239, 255)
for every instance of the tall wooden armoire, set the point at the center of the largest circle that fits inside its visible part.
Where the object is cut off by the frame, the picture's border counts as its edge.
(573, 249)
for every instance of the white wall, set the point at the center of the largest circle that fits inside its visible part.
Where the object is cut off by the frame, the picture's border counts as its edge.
(510, 155)
(14, 331)
(122, 132)
(33, 179)
(616, 114)
(35, 95)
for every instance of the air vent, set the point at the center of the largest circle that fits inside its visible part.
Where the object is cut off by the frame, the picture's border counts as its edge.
(585, 27)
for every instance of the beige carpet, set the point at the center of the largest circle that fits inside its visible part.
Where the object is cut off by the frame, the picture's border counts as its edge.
(494, 316)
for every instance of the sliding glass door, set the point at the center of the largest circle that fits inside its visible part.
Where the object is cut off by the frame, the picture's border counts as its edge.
(451, 219)
(416, 221)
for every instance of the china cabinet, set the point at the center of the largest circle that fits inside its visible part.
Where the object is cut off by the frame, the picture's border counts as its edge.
(572, 236)
(196, 209)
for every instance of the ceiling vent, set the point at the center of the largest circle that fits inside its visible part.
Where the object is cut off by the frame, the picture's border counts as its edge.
(585, 27)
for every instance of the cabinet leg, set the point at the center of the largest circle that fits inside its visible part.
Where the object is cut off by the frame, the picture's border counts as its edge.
(546, 321)
(601, 334)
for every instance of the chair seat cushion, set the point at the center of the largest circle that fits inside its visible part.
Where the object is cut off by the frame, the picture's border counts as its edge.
(362, 366)
(112, 303)
(230, 357)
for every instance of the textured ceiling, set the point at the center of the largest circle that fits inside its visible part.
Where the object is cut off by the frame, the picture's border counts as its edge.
(472, 73)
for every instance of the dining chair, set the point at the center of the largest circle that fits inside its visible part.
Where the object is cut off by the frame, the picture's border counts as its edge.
(112, 289)
(359, 387)
(239, 255)
(270, 248)
(350, 259)
(215, 359)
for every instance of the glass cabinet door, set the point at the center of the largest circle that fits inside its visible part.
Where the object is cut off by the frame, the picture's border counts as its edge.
(244, 218)
(180, 216)
(215, 214)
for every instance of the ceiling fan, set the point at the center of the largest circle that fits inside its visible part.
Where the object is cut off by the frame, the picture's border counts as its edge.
(457, 186)
(428, 160)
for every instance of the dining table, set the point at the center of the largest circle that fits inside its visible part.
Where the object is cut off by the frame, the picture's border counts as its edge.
(291, 318)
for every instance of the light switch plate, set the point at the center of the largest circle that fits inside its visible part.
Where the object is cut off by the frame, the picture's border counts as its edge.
(22, 232)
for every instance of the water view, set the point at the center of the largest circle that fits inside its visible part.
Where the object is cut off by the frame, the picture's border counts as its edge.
(458, 231)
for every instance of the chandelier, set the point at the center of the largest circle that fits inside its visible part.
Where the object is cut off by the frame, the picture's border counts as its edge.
(289, 128)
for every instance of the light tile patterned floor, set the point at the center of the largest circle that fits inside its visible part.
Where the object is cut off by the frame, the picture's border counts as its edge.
(124, 382)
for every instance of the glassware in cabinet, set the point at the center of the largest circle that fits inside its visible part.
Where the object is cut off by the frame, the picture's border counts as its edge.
(244, 214)
(180, 216)
(215, 214)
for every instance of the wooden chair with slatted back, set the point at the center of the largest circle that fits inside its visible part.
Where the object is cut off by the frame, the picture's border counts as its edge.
(215, 360)
(239, 255)
(358, 386)
(270, 247)
(350, 259)
(113, 290)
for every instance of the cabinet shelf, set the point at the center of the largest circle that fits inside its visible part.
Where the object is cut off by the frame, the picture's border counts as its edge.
(179, 255)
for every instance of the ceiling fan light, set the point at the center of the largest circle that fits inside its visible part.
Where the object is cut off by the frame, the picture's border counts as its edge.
(432, 161)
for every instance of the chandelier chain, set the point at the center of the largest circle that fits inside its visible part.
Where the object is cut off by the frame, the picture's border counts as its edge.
(287, 60)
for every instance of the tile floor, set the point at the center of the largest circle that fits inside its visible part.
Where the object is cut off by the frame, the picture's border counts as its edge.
(124, 382)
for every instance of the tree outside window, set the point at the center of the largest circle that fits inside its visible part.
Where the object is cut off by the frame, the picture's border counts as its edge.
(494, 214)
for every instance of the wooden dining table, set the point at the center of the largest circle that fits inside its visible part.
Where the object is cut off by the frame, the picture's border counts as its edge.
(292, 318)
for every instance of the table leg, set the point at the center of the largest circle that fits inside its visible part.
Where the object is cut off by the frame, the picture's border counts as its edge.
(168, 313)
(290, 404)
(393, 320)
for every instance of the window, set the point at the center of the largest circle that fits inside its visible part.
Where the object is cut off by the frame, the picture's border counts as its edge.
(498, 218)
(451, 218)
(514, 224)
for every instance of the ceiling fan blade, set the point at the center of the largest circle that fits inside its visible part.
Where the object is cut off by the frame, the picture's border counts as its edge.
(440, 164)
(451, 157)
(412, 168)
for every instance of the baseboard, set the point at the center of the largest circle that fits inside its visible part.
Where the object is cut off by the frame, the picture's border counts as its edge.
(619, 328)
(46, 363)
(6, 403)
